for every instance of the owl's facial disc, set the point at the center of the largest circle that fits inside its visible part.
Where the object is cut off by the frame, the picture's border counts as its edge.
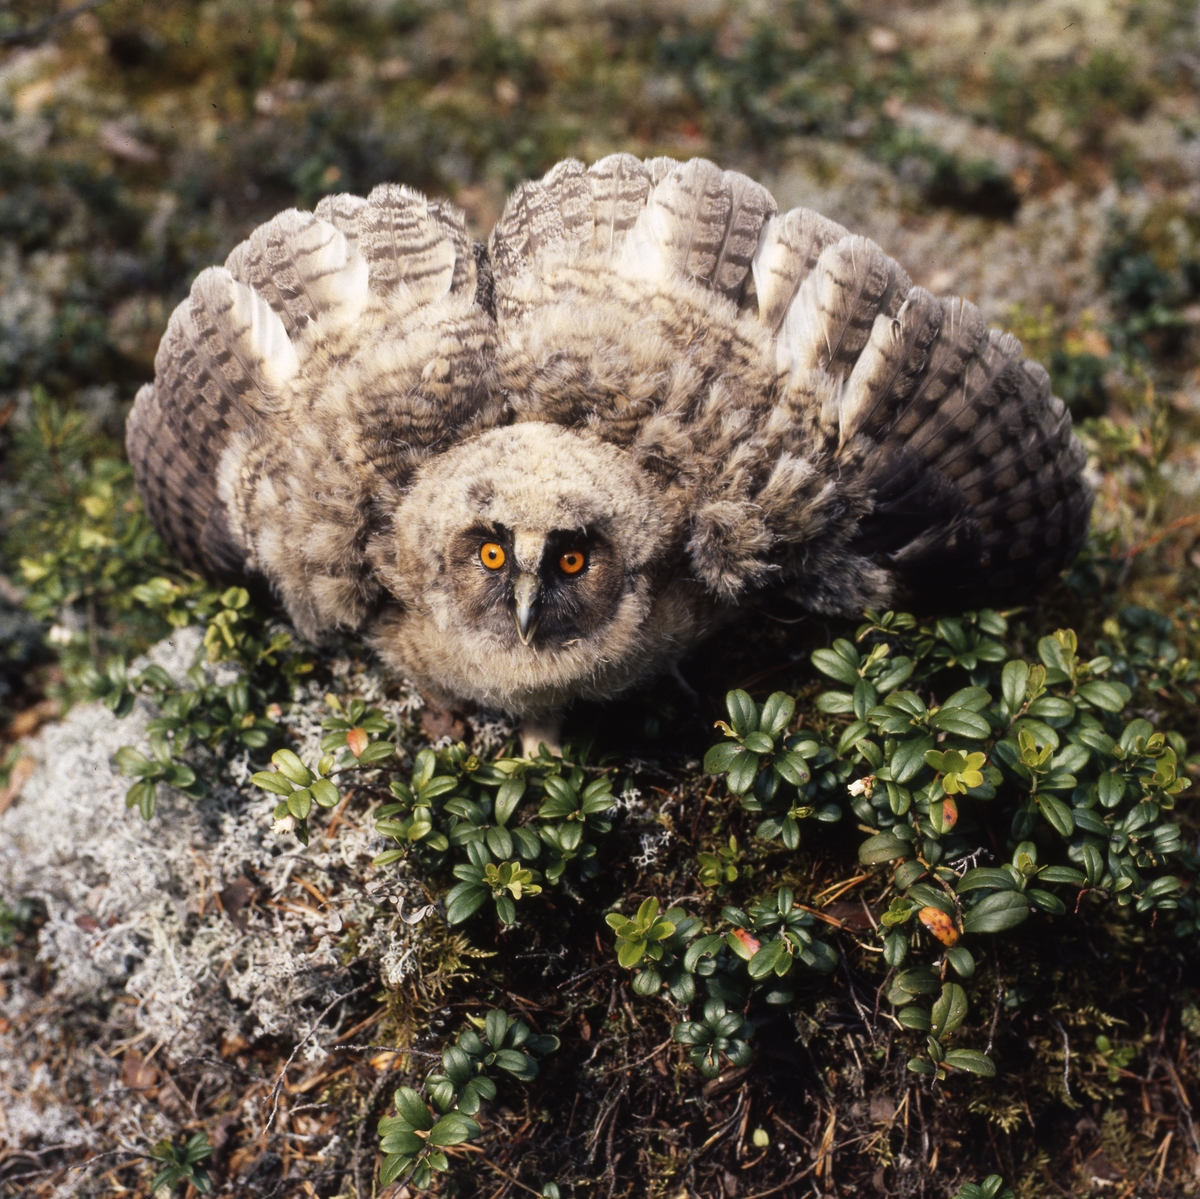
(524, 564)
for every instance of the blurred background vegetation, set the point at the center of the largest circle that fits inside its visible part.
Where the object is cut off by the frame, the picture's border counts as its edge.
(1041, 158)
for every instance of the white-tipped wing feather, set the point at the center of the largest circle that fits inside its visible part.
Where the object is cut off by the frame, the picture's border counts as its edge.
(699, 223)
(303, 267)
(256, 363)
(240, 323)
(788, 248)
(831, 316)
(890, 367)
(619, 185)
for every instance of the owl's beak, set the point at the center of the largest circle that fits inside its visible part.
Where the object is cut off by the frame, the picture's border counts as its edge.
(527, 609)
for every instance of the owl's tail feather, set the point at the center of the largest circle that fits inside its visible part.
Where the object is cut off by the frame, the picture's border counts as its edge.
(970, 476)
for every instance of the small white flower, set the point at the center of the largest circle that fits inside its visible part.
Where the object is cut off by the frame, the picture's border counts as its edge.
(863, 786)
(60, 635)
(286, 825)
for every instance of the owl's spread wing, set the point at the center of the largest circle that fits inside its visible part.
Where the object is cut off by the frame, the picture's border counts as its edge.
(974, 478)
(299, 385)
(818, 421)
(833, 426)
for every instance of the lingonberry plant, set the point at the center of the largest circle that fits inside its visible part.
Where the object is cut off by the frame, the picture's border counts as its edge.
(1035, 753)
(414, 1140)
(991, 789)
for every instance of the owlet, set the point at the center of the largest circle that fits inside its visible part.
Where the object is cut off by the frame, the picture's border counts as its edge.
(547, 466)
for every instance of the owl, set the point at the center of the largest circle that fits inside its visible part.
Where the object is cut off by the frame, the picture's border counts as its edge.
(547, 466)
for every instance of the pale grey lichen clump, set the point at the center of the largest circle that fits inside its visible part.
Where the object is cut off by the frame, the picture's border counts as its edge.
(134, 934)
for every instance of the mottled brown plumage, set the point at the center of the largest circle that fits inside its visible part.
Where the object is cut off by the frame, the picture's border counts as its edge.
(648, 366)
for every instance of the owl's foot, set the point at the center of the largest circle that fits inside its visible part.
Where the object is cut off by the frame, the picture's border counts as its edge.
(537, 731)
(438, 721)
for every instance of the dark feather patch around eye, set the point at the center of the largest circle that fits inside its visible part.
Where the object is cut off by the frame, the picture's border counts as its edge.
(483, 590)
(577, 604)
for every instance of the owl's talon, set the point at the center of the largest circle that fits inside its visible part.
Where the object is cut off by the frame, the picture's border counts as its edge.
(537, 731)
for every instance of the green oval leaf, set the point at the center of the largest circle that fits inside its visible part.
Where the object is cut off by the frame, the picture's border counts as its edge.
(452, 1129)
(1108, 697)
(743, 712)
(376, 752)
(961, 723)
(291, 767)
(777, 713)
(1057, 814)
(830, 663)
(883, 847)
(909, 759)
(133, 764)
(300, 803)
(961, 960)
(742, 771)
(972, 1061)
(1050, 707)
(508, 796)
(949, 1012)
(914, 1017)
(411, 1108)
(325, 793)
(431, 789)
(997, 913)
(463, 901)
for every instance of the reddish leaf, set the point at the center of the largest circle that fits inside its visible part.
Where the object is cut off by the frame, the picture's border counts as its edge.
(137, 1074)
(939, 924)
(751, 943)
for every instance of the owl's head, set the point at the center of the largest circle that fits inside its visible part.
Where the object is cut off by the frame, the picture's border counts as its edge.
(525, 562)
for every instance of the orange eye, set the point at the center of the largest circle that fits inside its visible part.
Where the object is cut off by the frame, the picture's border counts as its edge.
(572, 562)
(491, 555)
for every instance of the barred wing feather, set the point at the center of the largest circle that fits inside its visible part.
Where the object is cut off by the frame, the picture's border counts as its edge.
(313, 343)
